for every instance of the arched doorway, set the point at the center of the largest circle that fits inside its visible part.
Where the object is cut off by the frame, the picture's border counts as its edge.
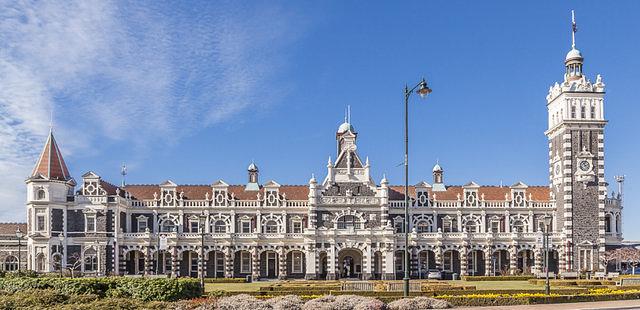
(296, 264)
(242, 264)
(40, 263)
(526, 261)
(189, 264)
(426, 261)
(269, 264)
(475, 261)
(322, 268)
(350, 263)
(161, 262)
(500, 262)
(215, 264)
(450, 263)
(377, 265)
(135, 262)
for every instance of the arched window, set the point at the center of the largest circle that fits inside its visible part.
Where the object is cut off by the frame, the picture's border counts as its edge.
(11, 263)
(219, 227)
(471, 226)
(271, 227)
(90, 260)
(41, 194)
(423, 227)
(518, 226)
(348, 221)
(607, 223)
(40, 263)
(168, 226)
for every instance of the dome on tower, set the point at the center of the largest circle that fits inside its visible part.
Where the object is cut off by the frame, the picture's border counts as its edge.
(437, 168)
(252, 167)
(346, 127)
(573, 54)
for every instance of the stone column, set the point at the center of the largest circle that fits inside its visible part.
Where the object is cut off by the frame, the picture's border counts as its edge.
(233, 222)
(201, 263)
(464, 263)
(388, 261)
(513, 259)
(148, 261)
(488, 261)
(228, 262)
(439, 260)
(175, 267)
(331, 262)
(255, 263)
(310, 258)
(122, 264)
(538, 261)
(562, 260)
(282, 264)
(367, 260)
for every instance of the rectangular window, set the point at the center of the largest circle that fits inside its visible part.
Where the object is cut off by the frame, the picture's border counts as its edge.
(90, 225)
(246, 227)
(297, 262)
(446, 226)
(593, 112)
(573, 112)
(40, 220)
(495, 227)
(142, 224)
(245, 262)
(448, 260)
(194, 225)
(297, 227)
(583, 112)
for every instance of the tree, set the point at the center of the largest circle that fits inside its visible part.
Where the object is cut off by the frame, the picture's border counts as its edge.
(74, 262)
(609, 256)
(630, 256)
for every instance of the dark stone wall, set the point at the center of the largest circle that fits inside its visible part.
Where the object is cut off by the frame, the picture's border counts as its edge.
(123, 221)
(585, 200)
(110, 222)
(57, 219)
(75, 221)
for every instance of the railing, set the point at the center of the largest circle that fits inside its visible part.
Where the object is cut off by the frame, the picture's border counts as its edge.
(359, 286)
(481, 204)
(245, 203)
(399, 286)
(195, 203)
(97, 199)
(297, 203)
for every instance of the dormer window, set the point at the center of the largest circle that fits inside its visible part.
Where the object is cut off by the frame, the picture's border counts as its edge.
(271, 198)
(423, 198)
(471, 198)
(219, 198)
(518, 198)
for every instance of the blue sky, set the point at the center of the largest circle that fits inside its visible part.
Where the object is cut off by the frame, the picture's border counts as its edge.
(194, 91)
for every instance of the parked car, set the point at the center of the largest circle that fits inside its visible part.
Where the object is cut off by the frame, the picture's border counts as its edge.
(434, 274)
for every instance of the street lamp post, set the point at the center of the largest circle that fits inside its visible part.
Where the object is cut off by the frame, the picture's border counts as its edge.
(547, 221)
(203, 219)
(19, 235)
(423, 90)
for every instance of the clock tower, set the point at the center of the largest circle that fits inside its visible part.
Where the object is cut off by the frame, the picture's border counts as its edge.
(576, 162)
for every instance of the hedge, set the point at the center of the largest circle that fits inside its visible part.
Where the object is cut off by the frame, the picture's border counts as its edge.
(497, 278)
(144, 289)
(225, 280)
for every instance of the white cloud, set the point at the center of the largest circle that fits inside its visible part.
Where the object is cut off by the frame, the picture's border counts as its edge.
(125, 71)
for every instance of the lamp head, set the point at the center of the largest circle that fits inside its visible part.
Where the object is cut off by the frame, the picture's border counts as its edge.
(19, 234)
(61, 237)
(423, 89)
(547, 220)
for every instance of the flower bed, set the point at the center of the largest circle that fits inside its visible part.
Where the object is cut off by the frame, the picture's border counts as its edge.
(225, 280)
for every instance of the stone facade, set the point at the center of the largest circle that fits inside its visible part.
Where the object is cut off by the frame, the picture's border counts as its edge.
(345, 226)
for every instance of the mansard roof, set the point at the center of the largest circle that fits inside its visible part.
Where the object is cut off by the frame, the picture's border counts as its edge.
(50, 164)
(538, 193)
(199, 192)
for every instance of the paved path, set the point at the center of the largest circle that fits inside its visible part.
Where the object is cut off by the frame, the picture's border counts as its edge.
(620, 304)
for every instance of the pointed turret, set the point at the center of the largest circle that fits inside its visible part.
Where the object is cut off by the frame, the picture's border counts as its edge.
(50, 164)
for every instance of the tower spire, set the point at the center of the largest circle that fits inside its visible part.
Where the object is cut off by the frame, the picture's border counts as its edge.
(574, 29)
(50, 164)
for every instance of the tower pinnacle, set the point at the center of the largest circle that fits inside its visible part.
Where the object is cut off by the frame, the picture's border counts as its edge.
(50, 164)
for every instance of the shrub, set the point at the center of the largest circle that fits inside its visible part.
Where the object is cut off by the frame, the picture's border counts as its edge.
(139, 288)
(225, 280)
(242, 301)
(418, 303)
(344, 302)
(30, 299)
(287, 302)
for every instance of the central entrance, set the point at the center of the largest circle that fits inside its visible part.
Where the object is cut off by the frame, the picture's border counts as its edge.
(349, 264)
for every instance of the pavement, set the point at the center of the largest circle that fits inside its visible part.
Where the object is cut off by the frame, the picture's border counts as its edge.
(619, 304)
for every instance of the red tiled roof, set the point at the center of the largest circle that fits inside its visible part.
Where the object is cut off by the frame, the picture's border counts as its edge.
(538, 193)
(10, 228)
(51, 164)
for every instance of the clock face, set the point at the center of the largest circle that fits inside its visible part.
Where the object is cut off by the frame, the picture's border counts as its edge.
(585, 165)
